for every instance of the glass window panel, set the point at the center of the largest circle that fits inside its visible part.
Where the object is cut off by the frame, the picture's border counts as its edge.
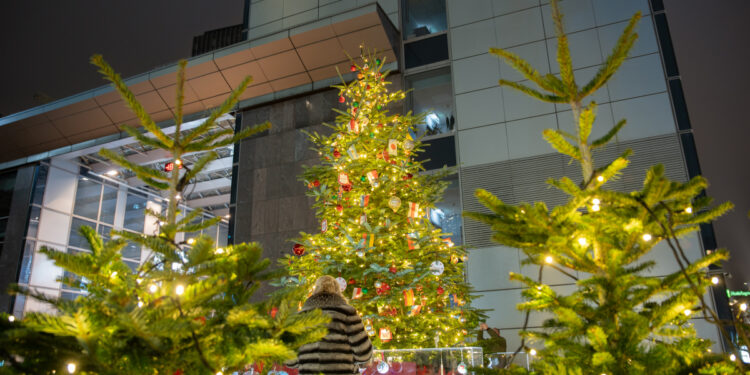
(104, 231)
(76, 238)
(132, 265)
(70, 296)
(223, 235)
(33, 229)
(447, 212)
(39, 183)
(28, 257)
(432, 95)
(87, 198)
(109, 202)
(426, 51)
(423, 17)
(132, 251)
(211, 232)
(134, 215)
(438, 152)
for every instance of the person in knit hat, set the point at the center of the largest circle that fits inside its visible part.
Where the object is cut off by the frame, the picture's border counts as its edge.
(345, 346)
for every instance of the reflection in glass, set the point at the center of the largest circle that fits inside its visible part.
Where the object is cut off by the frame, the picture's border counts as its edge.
(34, 221)
(28, 257)
(432, 95)
(76, 239)
(109, 202)
(223, 234)
(134, 215)
(423, 17)
(40, 182)
(87, 198)
(132, 251)
(447, 212)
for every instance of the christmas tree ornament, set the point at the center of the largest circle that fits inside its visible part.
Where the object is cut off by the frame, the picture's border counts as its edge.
(454, 259)
(342, 99)
(408, 145)
(362, 219)
(385, 336)
(336, 154)
(356, 104)
(344, 179)
(393, 269)
(372, 176)
(342, 283)
(368, 239)
(360, 253)
(352, 151)
(339, 208)
(298, 249)
(461, 368)
(274, 311)
(437, 267)
(360, 76)
(394, 203)
(392, 147)
(346, 188)
(413, 210)
(378, 284)
(440, 290)
(383, 367)
(352, 281)
(323, 226)
(354, 126)
(377, 62)
(408, 176)
(357, 293)
(408, 297)
(353, 68)
(412, 244)
(364, 200)
(369, 328)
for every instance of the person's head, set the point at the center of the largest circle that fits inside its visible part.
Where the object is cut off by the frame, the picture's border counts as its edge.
(327, 284)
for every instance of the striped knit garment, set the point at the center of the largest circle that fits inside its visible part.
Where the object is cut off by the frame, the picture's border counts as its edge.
(345, 345)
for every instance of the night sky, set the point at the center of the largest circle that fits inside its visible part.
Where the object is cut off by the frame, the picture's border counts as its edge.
(46, 44)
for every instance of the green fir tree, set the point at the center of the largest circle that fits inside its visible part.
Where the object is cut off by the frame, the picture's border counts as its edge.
(617, 320)
(404, 275)
(186, 310)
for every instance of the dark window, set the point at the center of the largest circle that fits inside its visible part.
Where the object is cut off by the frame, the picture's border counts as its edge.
(87, 199)
(135, 216)
(422, 17)
(76, 238)
(438, 152)
(447, 212)
(426, 51)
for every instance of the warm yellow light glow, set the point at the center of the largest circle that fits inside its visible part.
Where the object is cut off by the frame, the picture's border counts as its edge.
(732, 357)
(532, 352)
(71, 367)
(112, 173)
(113, 275)
(219, 251)
(179, 290)
(689, 210)
(139, 280)
(687, 312)
(595, 201)
(743, 306)
(191, 241)
(595, 208)
(600, 178)
(715, 280)
(549, 259)
(178, 162)
(646, 237)
(582, 241)
(11, 318)
(153, 288)
(140, 303)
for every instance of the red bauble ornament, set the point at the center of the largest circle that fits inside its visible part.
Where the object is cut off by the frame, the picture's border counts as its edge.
(316, 183)
(299, 249)
(353, 68)
(336, 154)
(408, 176)
(339, 208)
(351, 281)
(346, 187)
(274, 311)
(440, 290)
(341, 99)
(178, 372)
(367, 87)
(393, 269)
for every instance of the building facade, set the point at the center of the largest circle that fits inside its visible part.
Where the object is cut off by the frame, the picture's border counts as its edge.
(438, 49)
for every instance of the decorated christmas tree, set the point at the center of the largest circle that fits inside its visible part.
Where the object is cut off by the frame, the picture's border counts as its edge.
(185, 310)
(617, 320)
(404, 275)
